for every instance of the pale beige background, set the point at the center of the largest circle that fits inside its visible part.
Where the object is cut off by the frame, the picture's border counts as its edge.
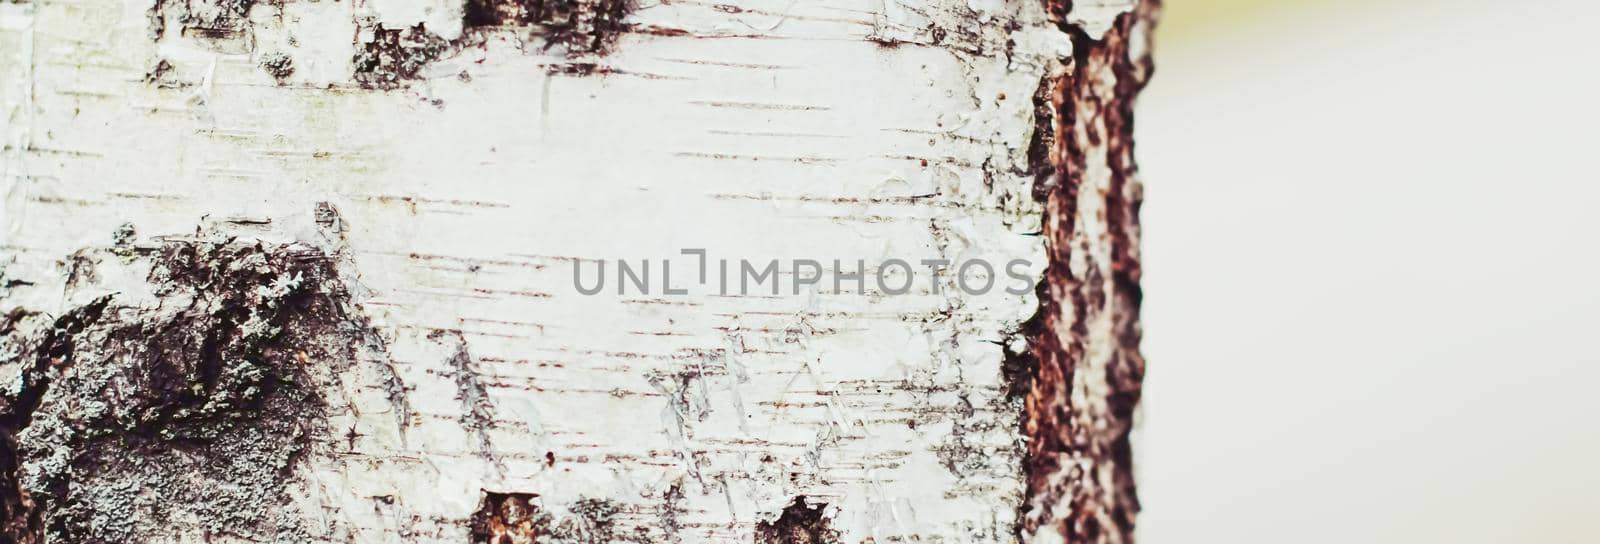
(1372, 310)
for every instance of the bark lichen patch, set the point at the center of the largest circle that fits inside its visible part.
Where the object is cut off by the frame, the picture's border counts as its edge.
(799, 524)
(580, 26)
(278, 65)
(125, 416)
(593, 520)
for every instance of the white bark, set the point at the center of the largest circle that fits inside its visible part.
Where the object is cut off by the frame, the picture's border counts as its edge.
(452, 203)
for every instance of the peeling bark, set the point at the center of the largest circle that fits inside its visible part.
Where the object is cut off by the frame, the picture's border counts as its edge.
(300, 271)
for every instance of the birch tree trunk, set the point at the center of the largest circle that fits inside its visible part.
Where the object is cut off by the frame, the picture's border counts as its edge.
(316, 270)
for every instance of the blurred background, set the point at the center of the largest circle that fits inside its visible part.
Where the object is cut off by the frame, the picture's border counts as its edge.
(1372, 242)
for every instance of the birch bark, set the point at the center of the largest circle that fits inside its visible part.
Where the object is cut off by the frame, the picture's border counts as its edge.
(303, 271)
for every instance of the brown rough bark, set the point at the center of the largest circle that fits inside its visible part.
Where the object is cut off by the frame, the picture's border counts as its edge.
(1078, 426)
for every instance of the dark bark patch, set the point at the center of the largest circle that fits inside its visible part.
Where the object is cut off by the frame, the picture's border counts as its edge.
(278, 65)
(127, 417)
(509, 518)
(159, 74)
(1042, 154)
(395, 55)
(580, 26)
(799, 524)
(518, 518)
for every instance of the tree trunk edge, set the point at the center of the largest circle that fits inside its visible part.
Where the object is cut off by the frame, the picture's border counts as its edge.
(1084, 369)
